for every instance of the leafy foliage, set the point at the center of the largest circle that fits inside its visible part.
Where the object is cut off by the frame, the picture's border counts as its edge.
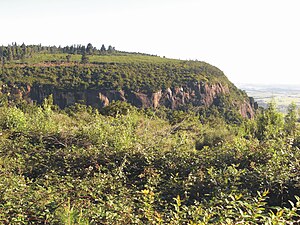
(144, 77)
(123, 165)
(131, 166)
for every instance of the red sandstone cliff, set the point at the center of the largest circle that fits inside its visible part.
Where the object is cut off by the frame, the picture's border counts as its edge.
(196, 94)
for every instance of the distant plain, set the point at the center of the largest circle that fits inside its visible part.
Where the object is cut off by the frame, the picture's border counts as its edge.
(282, 94)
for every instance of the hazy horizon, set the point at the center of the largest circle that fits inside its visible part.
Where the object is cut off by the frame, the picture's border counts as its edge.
(269, 84)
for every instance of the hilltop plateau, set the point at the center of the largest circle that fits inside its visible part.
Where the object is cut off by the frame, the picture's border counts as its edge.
(97, 77)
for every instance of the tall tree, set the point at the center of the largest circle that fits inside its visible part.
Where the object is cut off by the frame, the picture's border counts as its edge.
(1, 51)
(110, 49)
(103, 49)
(290, 119)
(89, 49)
(84, 58)
(82, 49)
(270, 123)
(9, 53)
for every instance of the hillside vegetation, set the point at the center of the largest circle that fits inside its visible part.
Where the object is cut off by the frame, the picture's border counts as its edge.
(182, 84)
(88, 67)
(133, 74)
(131, 166)
(120, 164)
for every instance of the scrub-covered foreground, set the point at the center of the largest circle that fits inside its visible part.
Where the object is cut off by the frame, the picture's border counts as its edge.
(125, 165)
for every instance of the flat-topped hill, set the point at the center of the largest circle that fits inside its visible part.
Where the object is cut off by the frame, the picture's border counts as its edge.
(80, 74)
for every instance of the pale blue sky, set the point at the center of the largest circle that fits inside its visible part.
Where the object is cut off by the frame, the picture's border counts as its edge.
(255, 41)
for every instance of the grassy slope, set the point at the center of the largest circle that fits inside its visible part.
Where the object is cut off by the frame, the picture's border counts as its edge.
(120, 58)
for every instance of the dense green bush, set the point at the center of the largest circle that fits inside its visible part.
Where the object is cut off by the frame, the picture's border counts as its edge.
(130, 166)
(142, 76)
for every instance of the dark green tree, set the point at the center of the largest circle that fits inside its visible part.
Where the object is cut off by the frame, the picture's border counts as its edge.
(103, 49)
(290, 119)
(82, 49)
(23, 51)
(89, 49)
(84, 58)
(110, 49)
(269, 123)
(9, 54)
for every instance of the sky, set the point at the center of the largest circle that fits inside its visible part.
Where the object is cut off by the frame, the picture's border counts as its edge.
(251, 41)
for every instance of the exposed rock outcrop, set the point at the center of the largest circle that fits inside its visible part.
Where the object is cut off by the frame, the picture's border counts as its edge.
(247, 109)
(195, 94)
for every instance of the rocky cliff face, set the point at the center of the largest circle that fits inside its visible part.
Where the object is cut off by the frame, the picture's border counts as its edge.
(195, 94)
